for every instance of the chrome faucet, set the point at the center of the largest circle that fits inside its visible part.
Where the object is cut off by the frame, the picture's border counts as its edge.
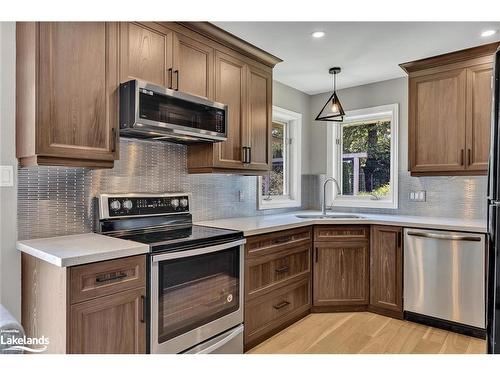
(323, 209)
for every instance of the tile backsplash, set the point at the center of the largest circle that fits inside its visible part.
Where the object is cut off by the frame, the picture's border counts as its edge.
(56, 201)
(454, 196)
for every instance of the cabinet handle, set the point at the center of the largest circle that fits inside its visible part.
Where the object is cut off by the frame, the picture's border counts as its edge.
(113, 144)
(249, 155)
(469, 156)
(176, 72)
(170, 80)
(143, 309)
(400, 235)
(316, 255)
(247, 158)
(462, 157)
(111, 277)
(282, 269)
(280, 305)
(282, 240)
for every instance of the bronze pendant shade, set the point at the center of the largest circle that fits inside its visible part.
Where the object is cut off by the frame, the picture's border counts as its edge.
(332, 110)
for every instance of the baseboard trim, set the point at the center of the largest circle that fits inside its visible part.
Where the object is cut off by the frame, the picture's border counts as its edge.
(462, 329)
(331, 309)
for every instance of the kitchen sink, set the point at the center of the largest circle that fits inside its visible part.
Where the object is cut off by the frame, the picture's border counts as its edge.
(329, 216)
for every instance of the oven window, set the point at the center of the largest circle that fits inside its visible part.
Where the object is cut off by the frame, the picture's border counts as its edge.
(176, 111)
(196, 290)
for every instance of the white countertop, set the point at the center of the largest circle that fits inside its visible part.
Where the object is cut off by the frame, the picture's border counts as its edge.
(269, 223)
(66, 251)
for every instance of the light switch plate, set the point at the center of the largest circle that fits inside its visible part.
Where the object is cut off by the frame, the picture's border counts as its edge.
(6, 176)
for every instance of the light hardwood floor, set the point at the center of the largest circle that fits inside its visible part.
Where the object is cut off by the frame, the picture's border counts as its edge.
(365, 333)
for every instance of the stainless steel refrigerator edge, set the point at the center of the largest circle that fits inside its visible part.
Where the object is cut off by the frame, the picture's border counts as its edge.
(493, 281)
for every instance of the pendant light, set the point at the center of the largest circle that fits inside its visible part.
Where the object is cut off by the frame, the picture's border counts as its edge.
(332, 110)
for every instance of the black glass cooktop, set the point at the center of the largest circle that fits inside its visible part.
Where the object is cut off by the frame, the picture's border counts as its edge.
(180, 238)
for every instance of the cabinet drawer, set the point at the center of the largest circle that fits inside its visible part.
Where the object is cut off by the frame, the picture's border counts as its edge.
(266, 314)
(103, 278)
(271, 271)
(269, 243)
(341, 233)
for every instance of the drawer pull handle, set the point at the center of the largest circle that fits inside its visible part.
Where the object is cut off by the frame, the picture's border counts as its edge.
(280, 305)
(106, 278)
(282, 240)
(282, 269)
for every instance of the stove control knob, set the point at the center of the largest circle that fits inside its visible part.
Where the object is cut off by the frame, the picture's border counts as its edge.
(128, 204)
(184, 202)
(115, 205)
(174, 203)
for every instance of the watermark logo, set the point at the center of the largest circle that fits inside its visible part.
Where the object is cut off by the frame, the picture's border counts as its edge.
(11, 341)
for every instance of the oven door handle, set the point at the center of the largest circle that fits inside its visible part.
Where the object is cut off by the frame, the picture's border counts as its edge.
(194, 252)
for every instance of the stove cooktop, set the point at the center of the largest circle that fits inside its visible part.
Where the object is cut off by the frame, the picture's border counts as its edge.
(180, 238)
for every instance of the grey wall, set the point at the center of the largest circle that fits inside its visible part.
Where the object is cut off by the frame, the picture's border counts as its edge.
(372, 95)
(446, 196)
(10, 276)
(294, 100)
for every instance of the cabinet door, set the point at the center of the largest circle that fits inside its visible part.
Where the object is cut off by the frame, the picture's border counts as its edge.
(230, 88)
(193, 67)
(113, 324)
(437, 122)
(78, 98)
(146, 53)
(386, 270)
(259, 117)
(479, 81)
(340, 272)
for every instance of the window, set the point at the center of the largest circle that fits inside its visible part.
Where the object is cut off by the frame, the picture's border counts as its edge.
(280, 187)
(364, 158)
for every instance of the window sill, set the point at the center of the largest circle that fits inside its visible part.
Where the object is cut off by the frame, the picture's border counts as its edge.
(278, 203)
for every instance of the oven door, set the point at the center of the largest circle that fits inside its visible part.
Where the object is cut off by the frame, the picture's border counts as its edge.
(195, 295)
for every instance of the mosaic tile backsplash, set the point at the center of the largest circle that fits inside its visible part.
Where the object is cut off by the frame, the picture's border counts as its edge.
(56, 201)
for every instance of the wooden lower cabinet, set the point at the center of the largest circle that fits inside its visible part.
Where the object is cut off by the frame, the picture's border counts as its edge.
(270, 313)
(109, 325)
(386, 271)
(277, 282)
(340, 275)
(91, 308)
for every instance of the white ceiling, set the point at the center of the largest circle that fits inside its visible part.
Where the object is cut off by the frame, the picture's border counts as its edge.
(366, 51)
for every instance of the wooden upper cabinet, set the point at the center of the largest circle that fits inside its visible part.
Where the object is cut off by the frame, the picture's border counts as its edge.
(247, 90)
(260, 85)
(193, 67)
(146, 53)
(450, 112)
(386, 270)
(67, 100)
(438, 121)
(479, 86)
(230, 89)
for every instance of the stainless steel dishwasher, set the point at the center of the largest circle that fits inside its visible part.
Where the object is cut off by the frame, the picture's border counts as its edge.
(444, 275)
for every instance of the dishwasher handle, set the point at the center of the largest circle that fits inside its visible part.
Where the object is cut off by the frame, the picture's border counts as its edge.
(450, 237)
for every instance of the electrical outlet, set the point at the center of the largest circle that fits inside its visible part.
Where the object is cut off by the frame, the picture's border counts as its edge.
(6, 175)
(241, 196)
(418, 196)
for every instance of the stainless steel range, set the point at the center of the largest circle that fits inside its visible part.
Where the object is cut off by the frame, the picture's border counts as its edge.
(195, 290)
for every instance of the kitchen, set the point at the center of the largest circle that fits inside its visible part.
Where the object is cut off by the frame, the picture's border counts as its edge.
(187, 191)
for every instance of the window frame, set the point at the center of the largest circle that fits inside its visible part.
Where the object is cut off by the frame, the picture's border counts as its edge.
(292, 170)
(334, 159)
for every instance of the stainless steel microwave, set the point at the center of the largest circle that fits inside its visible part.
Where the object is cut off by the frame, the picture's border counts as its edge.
(154, 112)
